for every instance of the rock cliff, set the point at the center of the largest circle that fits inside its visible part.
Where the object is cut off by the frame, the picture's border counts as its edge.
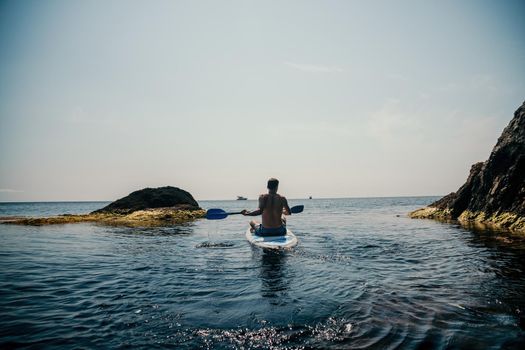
(494, 194)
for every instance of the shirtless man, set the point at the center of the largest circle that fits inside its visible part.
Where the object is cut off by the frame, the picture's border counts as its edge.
(272, 207)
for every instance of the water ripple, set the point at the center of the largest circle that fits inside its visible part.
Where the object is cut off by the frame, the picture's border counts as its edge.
(361, 278)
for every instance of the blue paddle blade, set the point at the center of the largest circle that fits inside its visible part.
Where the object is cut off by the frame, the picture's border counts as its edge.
(297, 209)
(216, 214)
(215, 211)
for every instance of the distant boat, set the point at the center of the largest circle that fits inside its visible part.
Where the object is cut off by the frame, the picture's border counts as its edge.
(241, 198)
(310, 197)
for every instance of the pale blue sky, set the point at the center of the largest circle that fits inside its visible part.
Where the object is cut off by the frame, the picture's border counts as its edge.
(335, 98)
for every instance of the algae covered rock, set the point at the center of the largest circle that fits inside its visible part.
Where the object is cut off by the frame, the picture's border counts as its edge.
(151, 198)
(140, 218)
(494, 193)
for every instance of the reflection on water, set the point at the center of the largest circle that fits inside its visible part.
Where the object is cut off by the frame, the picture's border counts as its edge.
(362, 276)
(274, 281)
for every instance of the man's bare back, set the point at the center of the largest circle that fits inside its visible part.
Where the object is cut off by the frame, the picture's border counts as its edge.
(272, 206)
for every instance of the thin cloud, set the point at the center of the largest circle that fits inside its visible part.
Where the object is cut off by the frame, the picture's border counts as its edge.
(396, 76)
(395, 121)
(314, 68)
(80, 116)
(9, 190)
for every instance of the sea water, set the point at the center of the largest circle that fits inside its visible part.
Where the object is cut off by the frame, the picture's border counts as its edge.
(363, 276)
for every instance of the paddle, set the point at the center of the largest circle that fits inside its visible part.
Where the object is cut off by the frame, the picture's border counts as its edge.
(218, 214)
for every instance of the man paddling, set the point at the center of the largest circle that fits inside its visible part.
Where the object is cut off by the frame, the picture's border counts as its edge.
(272, 207)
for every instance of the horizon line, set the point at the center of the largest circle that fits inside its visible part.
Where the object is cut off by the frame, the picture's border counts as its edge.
(219, 200)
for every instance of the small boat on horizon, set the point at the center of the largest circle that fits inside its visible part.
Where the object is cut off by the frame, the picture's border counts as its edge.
(241, 198)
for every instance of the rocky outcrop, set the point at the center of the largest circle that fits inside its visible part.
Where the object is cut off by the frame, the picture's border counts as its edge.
(149, 198)
(139, 218)
(494, 194)
(148, 207)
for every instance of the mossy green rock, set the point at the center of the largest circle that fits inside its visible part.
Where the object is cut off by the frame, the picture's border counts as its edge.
(139, 218)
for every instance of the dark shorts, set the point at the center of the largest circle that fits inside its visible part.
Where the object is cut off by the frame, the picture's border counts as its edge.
(275, 231)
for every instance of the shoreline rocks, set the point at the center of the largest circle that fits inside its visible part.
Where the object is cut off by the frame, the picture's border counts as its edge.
(148, 217)
(494, 194)
(162, 206)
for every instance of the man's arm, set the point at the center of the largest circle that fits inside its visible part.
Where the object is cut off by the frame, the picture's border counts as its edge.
(286, 208)
(251, 213)
(257, 211)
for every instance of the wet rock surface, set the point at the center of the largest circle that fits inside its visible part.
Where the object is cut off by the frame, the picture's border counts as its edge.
(494, 193)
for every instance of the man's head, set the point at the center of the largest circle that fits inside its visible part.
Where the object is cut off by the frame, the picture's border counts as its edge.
(273, 183)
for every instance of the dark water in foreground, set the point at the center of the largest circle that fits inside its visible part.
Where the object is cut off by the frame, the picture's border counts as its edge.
(361, 277)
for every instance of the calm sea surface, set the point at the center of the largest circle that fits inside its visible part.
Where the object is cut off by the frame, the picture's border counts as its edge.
(362, 276)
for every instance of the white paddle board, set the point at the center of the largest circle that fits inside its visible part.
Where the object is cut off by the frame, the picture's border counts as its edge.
(272, 242)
